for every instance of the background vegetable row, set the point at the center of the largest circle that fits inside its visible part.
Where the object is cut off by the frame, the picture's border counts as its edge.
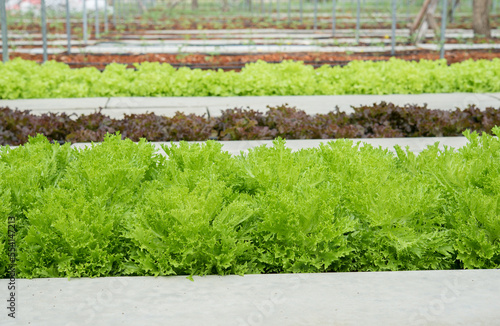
(27, 79)
(378, 120)
(119, 209)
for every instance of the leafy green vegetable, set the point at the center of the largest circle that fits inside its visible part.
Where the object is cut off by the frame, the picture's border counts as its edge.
(27, 79)
(119, 208)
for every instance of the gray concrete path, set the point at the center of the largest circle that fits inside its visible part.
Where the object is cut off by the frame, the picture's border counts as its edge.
(263, 33)
(462, 297)
(270, 32)
(117, 106)
(242, 41)
(124, 47)
(450, 47)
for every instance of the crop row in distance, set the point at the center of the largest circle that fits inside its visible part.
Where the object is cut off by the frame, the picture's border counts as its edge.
(27, 79)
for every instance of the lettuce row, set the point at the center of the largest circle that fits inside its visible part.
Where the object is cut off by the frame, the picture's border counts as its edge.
(120, 208)
(377, 120)
(26, 79)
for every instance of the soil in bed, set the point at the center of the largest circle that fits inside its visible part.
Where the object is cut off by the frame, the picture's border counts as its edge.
(236, 62)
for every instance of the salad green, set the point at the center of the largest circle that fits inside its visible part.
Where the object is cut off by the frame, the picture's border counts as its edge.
(20, 79)
(120, 208)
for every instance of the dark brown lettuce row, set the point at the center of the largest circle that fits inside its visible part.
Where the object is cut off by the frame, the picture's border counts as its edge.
(378, 120)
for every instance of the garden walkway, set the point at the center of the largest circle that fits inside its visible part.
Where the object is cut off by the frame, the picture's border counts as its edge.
(458, 297)
(117, 106)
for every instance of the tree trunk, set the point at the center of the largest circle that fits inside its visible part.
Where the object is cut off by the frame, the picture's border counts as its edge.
(194, 4)
(481, 18)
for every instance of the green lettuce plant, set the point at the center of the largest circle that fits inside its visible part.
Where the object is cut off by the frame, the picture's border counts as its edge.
(123, 208)
(27, 79)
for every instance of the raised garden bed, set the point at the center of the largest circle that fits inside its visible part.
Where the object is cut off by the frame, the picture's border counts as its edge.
(378, 120)
(208, 22)
(27, 79)
(120, 209)
(236, 62)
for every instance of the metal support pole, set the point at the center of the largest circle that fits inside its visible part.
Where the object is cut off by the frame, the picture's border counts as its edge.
(106, 27)
(126, 11)
(68, 27)
(3, 19)
(443, 28)
(453, 7)
(301, 10)
(334, 17)
(315, 14)
(44, 31)
(393, 31)
(96, 20)
(278, 9)
(114, 14)
(358, 13)
(85, 21)
(289, 10)
(407, 9)
(120, 11)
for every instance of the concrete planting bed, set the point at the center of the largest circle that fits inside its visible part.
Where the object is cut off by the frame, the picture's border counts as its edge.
(451, 297)
(457, 297)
